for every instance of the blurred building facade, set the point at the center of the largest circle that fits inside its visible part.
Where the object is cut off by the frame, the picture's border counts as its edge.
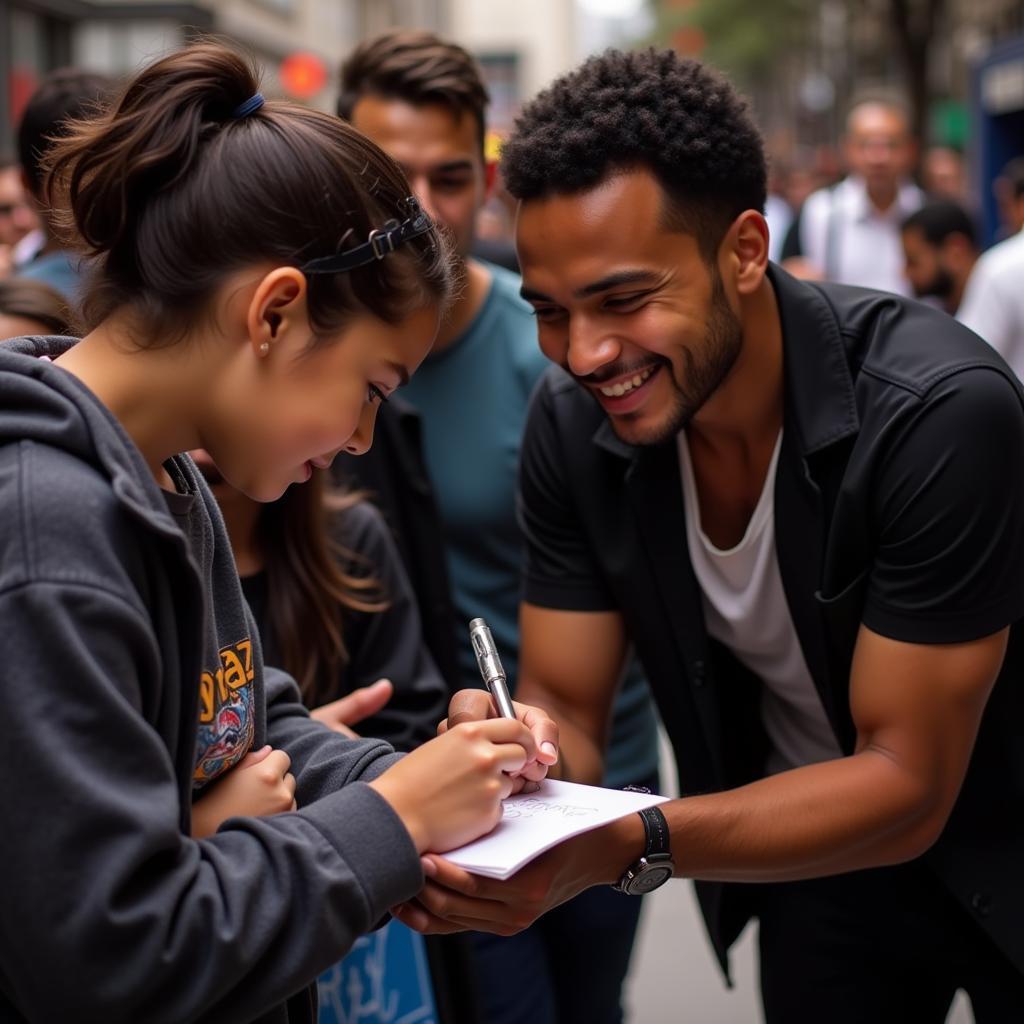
(522, 44)
(115, 36)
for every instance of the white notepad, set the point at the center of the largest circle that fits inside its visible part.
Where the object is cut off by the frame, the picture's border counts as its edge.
(534, 822)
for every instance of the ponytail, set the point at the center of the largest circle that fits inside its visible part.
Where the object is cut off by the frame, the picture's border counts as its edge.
(169, 192)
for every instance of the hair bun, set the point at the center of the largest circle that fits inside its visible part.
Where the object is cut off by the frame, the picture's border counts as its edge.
(147, 141)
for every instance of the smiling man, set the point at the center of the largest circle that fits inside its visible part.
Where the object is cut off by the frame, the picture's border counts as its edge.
(803, 505)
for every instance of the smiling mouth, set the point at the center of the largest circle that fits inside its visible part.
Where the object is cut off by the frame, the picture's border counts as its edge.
(624, 387)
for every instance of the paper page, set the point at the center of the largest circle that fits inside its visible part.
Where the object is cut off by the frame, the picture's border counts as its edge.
(534, 822)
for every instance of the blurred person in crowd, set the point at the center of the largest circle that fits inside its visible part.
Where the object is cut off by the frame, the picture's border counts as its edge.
(1008, 189)
(17, 218)
(940, 247)
(943, 175)
(850, 232)
(993, 303)
(494, 235)
(31, 307)
(422, 100)
(777, 210)
(64, 96)
(803, 504)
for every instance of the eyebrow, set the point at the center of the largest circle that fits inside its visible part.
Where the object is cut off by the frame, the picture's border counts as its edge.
(464, 164)
(455, 165)
(620, 277)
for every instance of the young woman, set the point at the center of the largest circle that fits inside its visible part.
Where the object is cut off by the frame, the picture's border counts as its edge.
(260, 281)
(333, 608)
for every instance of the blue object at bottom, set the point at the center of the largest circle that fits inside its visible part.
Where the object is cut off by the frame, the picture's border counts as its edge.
(385, 979)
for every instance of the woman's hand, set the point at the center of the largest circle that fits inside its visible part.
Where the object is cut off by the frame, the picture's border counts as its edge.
(258, 785)
(354, 707)
(477, 706)
(449, 791)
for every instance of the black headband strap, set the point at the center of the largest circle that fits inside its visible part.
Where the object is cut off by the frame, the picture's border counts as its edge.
(378, 244)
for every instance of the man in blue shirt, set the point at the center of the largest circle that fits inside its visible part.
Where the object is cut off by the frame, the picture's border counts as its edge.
(422, 100)
(64, 95)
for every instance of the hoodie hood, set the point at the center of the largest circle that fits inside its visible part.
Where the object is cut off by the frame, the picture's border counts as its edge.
(41, 402)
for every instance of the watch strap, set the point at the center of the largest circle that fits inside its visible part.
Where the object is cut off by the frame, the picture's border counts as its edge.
(655, 831)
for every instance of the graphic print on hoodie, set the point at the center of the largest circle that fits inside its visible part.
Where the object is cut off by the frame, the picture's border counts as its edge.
(226, 724)
(225, 714)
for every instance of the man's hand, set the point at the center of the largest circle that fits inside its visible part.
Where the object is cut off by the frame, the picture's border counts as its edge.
(354, 707)
(477, 706)
(454, 900)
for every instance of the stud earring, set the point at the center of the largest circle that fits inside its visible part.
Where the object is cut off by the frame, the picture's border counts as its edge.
(264, 348)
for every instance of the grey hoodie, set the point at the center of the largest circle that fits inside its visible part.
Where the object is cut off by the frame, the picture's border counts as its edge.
(114, 626)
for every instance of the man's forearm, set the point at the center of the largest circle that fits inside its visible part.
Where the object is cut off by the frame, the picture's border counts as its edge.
(580, 759)
(857, 812)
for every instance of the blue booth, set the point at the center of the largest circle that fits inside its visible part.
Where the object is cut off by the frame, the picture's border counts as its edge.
(998, 118)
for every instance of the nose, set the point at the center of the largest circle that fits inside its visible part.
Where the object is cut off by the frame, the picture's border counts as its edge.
(590, 347)
(359, 443)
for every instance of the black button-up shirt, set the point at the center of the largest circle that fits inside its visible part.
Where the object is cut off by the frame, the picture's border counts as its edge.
(899, 503)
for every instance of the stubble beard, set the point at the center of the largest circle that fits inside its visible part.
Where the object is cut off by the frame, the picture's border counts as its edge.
(720, 347)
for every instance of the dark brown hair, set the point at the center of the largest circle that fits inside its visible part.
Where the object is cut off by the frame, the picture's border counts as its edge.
(170, 191)
(66, 94)
(34, 300)
(309, 590)
(417, 67)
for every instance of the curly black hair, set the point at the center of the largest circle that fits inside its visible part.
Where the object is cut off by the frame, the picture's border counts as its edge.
(653, 109)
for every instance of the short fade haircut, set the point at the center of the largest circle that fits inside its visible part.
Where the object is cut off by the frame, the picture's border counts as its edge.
(649, 109)
(417, 67)
(940, 218)
(67, 94)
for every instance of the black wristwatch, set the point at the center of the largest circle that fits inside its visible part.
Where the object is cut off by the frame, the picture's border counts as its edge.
(655, 867)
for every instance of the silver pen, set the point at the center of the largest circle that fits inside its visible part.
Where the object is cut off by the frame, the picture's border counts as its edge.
(490, 667)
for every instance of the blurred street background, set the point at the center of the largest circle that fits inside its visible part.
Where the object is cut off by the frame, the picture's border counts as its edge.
(958, 65)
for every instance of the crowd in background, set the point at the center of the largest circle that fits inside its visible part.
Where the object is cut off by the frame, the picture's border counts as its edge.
(396, 596)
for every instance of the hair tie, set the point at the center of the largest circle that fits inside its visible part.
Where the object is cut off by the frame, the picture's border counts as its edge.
(250, 106)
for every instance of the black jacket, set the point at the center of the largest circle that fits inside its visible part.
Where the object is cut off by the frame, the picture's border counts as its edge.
(394, 474)
(899, 503)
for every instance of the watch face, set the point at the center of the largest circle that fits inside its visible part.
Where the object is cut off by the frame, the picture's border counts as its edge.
(649, 878)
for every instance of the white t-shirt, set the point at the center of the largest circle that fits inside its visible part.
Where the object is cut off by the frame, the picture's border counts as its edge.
(993, 304)
(850, 241)
(745, 609)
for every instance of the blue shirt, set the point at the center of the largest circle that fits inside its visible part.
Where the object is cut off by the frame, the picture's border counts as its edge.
(60, 270)
(473, 396)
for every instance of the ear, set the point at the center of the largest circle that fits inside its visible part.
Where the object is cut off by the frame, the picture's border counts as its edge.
(278, 309)
(745, 249)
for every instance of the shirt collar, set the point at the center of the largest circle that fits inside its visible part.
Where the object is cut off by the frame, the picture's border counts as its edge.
(819, 395)
(855, 192)
(819, 386)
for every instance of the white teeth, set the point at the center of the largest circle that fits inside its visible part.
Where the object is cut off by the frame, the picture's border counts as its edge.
(624, 387)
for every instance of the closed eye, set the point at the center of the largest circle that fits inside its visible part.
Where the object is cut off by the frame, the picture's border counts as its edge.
(547, 313)
(374, 393)
(625, 303)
